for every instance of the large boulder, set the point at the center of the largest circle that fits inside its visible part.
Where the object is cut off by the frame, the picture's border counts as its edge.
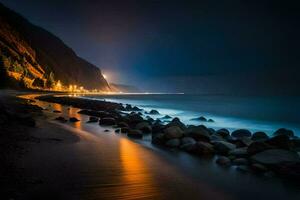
(257, 147)
(239, 152)
(136, 134)
(223, 148)
(284, 131)
(259, 136)
(240, 161)
(134, 119)
(275, 157)
(122, 124)
(187, 140)
(158, 138)
(203, 148)
(144, 127)
(199, 133)
(173, 143)
(242, 142)
(107, 121)
(280, 141)
(241, 133)
(153, 112)
(176, 122)
(93, 119)
(173, 132)
(74, 119)
(223, 132)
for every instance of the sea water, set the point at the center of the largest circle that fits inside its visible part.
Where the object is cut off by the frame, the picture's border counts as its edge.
(232, 112)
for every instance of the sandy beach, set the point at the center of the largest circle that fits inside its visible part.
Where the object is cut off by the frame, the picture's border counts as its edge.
(87, 161)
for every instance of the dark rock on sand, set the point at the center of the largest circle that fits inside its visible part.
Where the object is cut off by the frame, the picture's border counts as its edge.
(223, 148)
(136, 134)
(241, 133)
(224, 161)
(61, 119)
(259, 136)
(173, 132)
(117, 130)
(158, 138)
(108, 121)
(187, 140)
(74, 119)
(106, 130)
(275, 157)
(56, 111)
(284, 131)
(93, 119)
(173, 143)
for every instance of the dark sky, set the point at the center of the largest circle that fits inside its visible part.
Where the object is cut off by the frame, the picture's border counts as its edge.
(138, 42)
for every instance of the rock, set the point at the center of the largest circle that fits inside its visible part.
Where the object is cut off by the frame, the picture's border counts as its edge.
(241, 133)
(240, 161)
(166, 117)
(275, 157)
(93, 119)
(157, 128)
(280, 141)
(144, 127)
(107, 121)
(150, 119)
(154, 112)
(284, 131)
(224, 161)
(210, 120)
(188, 147)
(187, 140)
(295, 144)
(74, 119)
(117, 130)
(223, 148)
(134, 119)
(199, 133)
(242, 142)
(200, 119)
(203, 148)
(216, 137)
(61, 119)
(136, 109)
(173, 143)
(173, 132)
(158, 138)
(56, 111)
(136, 134)
(239, 152)
(223, 132)
(106, 130)
(259, 136)
(259, 168)
(124, 130)
(122, 124)
(176, 122)
(257, 147)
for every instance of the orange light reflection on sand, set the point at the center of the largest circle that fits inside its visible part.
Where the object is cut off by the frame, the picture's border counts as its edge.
(136, 176)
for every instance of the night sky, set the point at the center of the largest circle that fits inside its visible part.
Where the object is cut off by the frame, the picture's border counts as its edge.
(168, 45)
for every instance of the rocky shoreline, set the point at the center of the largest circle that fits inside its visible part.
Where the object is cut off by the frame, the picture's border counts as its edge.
(257, 152)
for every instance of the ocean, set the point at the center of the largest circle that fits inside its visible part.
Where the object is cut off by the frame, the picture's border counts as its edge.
(254, 113)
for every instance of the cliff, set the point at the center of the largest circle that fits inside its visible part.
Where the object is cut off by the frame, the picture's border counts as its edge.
(32, 57)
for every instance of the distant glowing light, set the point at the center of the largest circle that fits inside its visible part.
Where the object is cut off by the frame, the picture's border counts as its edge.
(104, 76)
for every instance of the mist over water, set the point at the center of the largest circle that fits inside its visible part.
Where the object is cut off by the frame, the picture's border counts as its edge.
(254, 113)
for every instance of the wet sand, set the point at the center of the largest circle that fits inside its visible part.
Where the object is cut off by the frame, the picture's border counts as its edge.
(82, 161)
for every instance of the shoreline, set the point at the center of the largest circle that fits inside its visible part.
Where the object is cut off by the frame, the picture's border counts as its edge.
(78, 160)
(250, 152)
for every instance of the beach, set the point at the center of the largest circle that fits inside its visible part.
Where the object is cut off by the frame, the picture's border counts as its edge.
(80, 160)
